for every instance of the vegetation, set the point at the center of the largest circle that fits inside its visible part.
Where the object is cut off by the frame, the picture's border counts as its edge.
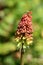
(11, 12)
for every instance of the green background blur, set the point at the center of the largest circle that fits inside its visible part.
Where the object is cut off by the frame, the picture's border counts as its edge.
(10, 17)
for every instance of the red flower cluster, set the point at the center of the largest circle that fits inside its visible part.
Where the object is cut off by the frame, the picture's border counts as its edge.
(25, 26)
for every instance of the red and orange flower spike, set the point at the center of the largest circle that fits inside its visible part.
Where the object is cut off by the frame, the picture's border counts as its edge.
(25, 29)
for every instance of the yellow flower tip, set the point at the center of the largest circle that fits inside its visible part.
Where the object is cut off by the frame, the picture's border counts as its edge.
(29, 41)
(17, 39)
(24, 38)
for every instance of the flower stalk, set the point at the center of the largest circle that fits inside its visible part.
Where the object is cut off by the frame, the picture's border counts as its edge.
(22, 53)
(25, 32)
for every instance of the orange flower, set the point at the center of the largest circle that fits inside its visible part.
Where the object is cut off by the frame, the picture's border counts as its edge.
(25, 27)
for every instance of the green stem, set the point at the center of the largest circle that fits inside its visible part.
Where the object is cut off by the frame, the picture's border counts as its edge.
(22, 53)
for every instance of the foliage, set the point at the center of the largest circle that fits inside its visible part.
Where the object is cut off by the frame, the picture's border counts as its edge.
(10, 16)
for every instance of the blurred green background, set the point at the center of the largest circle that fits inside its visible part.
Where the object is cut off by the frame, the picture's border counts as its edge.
(11, 12)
